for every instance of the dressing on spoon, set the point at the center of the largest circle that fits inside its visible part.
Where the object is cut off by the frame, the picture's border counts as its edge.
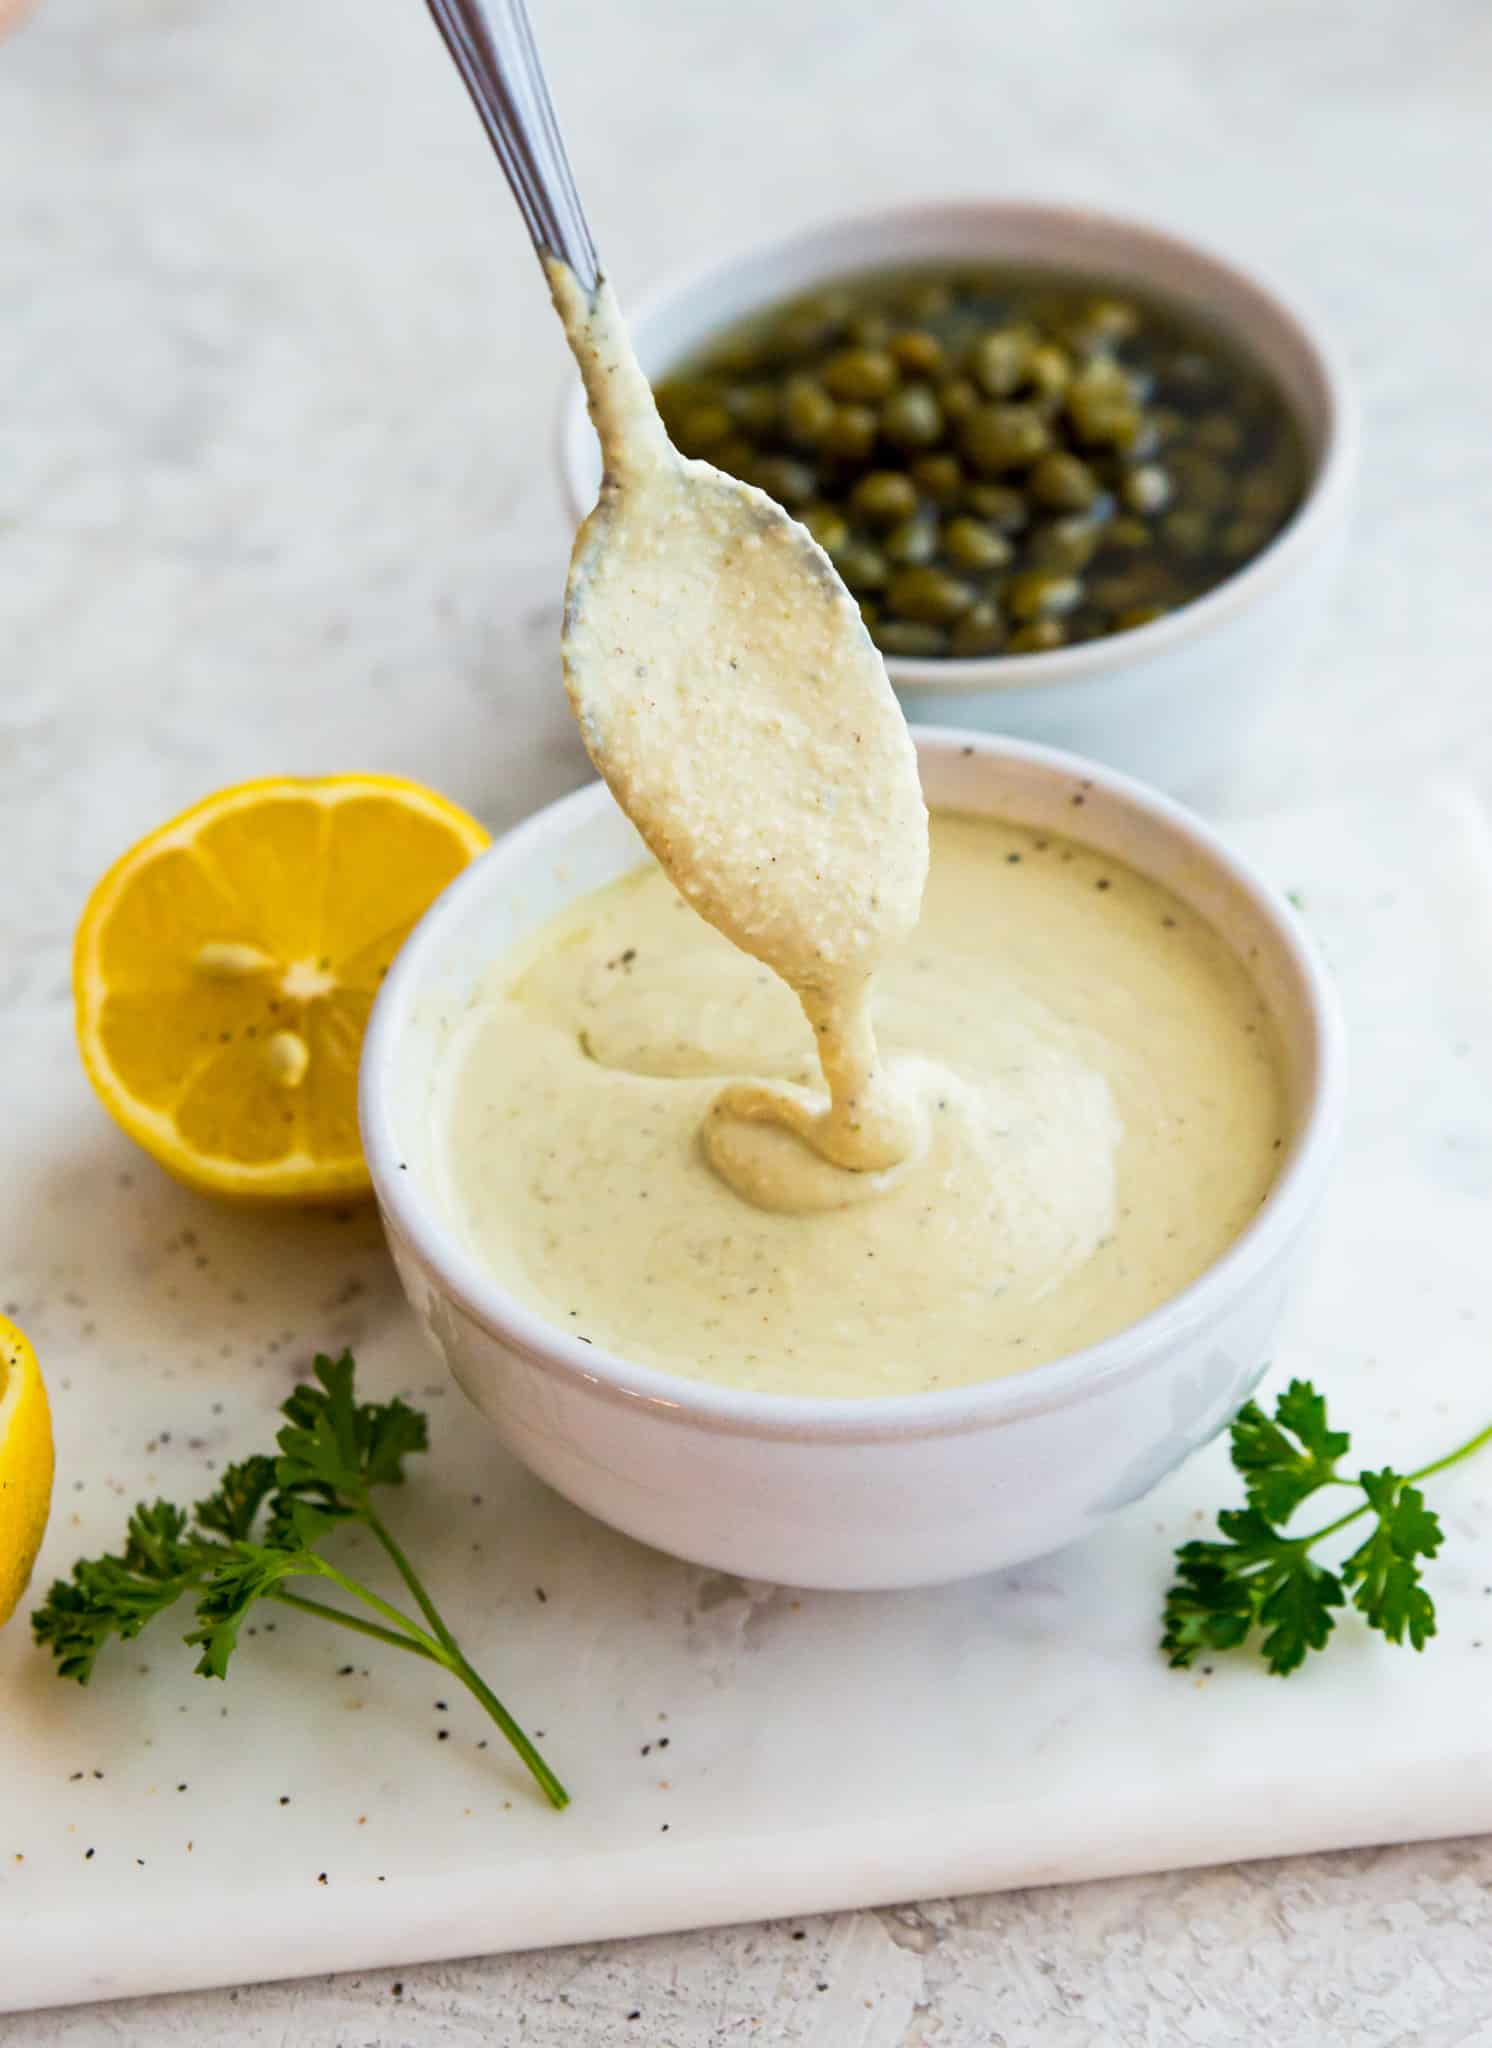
(730, 696)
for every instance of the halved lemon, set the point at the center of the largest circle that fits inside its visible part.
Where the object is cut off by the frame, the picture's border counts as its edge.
(26, 1463)
(225, 967)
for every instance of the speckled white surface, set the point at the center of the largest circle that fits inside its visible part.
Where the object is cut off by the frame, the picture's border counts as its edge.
(276, 495)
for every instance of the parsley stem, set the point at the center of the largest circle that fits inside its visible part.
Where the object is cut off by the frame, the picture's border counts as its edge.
(364, 1628)
(1466, 1450)
(411, 1579)
(449, 1654)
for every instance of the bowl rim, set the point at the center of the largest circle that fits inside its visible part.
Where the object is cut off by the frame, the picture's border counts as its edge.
(1058, 1383)
(1334, 459)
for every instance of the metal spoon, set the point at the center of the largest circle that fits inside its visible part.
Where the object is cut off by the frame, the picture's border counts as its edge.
(722, 675)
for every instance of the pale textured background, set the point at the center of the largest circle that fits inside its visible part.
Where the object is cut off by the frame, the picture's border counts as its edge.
(275, 494)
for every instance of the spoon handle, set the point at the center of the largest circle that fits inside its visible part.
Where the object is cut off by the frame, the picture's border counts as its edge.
(492, 45)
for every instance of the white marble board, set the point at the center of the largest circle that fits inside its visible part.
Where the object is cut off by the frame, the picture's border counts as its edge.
(734, 1750)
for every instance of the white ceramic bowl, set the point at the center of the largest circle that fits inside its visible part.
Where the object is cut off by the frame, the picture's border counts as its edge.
(1164, 700)
(891, 1491)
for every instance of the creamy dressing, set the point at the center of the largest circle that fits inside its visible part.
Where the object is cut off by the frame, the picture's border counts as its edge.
(1099, 1082)
(728, 692)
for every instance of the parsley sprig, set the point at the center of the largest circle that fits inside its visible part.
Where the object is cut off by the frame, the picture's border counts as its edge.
(262, 1529)
(1263, 1578)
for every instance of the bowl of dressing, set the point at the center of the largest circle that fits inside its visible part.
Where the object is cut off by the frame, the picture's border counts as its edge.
(1100, 486)
(1128, 1067)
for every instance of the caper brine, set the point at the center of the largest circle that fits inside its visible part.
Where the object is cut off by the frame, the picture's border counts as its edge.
(999, 461)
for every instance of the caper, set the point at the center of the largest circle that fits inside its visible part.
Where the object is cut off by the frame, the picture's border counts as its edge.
(1110, 321)
(828, 526)
(863, 374)
(909, 637)
(929, 595)
(938, 477)
(1138, 615)
(999, 360)
(1000, 504)
(1065, 482)
(1127, 533)
(1202, 482)
(973, 545)
(919, 353)
(1065, 544)
(1049, 369)
(1219, 434)
(981, 630)
(1186, 531)
(1264, 494)
(853, 433)
(958, 398)
(885, 497)
(754, 407)
(1146, 489)
(790, 483)
(870, 330)
(912, 418)
(1241, 538)
(1103, 422)
(913, 541)
(862, 566)
(701, 428)
(1038, 636)
(808, 412)
(1041, 593)
(1003, 437)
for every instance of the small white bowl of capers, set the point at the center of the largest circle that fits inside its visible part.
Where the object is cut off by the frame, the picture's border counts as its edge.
(1088, 481)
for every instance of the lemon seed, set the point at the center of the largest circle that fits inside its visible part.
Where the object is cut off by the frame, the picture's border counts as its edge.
(287, 1056)
(229, 960)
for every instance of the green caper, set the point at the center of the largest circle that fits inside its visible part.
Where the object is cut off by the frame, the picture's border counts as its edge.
(938, 477)
(1127, 533)
(702, 428)
(1186, 531)
(1202, 482)
(1003, 437)
(1049, 369)
(885, 497)
(973, 545)
(755, 407)
(1103, 422)
(999, 360)
(1064, 482)
(912, 542)
(1000, 504)
(981, 630)
(1138, 615)
(808, 412)
(931, 596)
(1042, 593)
(909, 637)
(912, 418)
(869, 330)
(958, 398)
(853, 433)
(1065, 545)
(862, 374)
(735, 455)
(917, 352)
(862, 566)
(828, 526)
(790, 483)
(1146, 489)
(1037, 636)
(1241, 538)
(1219, 434)
(1106, 322)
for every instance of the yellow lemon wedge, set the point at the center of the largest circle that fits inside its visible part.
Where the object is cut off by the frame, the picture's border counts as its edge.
(225, 967)
(26, 1463)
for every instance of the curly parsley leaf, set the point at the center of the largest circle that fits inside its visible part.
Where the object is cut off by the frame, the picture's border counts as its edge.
(263, 1527)
(1263, 1580)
